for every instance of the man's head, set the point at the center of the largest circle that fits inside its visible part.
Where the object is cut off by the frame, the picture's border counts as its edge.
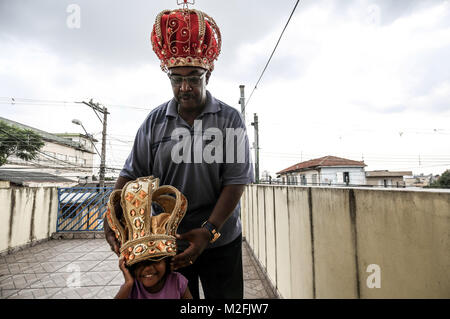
(189, 86)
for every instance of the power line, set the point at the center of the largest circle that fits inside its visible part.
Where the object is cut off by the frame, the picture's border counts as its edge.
(36, 148)
(270, 58)
(33, 102)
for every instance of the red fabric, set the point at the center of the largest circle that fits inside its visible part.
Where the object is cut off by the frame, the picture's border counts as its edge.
(180, 38)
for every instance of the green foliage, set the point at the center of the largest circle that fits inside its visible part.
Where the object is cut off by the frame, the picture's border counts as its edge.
(22, 143)
(443, 181)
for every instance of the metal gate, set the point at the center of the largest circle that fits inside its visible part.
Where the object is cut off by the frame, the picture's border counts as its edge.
(82, 208)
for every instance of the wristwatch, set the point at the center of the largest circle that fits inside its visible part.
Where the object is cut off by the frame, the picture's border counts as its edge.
(212, 230)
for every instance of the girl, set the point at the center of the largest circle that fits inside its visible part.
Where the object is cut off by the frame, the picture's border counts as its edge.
(152, 280)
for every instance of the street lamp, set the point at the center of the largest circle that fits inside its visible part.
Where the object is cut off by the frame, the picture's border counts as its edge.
(102, 165)
(78, 122)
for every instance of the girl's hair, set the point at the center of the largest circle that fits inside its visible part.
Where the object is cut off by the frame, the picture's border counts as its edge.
(134, 267)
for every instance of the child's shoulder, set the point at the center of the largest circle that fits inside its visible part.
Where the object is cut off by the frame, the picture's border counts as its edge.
(178, 280)
(177, 276)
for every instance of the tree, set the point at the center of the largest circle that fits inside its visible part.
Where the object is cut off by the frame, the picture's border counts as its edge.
(22, 143)
(443, 181)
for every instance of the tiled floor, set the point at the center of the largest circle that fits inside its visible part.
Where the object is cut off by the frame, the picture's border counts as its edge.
(85, 269)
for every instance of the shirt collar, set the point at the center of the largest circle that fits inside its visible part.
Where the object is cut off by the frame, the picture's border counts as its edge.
(212, 106)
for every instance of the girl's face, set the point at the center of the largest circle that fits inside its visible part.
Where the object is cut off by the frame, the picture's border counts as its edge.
(150, 273)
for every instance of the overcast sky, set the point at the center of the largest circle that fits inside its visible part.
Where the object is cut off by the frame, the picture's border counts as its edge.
(353, 78)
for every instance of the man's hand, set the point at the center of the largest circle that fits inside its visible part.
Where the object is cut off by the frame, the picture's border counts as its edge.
(198, 239)
(110, 237)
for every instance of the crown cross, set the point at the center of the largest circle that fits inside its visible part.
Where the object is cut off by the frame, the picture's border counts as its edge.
(185, 3)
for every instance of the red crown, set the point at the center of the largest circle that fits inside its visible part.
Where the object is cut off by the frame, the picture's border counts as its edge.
(186, 37)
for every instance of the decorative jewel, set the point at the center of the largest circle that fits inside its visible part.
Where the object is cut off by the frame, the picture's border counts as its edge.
(160, 246)
(139, 249)
(142, 194)
(138, 222)
(137, 203)
(129, 197)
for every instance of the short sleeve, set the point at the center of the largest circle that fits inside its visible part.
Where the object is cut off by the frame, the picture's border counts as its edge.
(237, 166)
(140, 161)
(182, 284)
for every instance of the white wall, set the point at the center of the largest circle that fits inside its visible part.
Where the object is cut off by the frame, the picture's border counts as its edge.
(319, 242)
(27, 214)
(335, 175)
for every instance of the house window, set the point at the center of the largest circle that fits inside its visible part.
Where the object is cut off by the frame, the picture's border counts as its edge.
(303, 179)
(314, 179)
(346, 176)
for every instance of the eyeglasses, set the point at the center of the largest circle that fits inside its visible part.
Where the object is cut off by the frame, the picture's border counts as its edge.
(192, 80)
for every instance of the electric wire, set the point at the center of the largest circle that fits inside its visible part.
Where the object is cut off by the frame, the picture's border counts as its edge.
(271, 55)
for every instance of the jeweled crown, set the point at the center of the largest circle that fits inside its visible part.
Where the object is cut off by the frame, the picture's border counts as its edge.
(186, 37)
(141, 235)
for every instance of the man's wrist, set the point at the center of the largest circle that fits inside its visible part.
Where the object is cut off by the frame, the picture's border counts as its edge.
(211, 228)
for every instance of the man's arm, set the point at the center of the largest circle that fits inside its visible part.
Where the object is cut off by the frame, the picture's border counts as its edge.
(110, 236)
(199, 237)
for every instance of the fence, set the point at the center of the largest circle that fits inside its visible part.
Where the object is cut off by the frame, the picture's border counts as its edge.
(82, 208)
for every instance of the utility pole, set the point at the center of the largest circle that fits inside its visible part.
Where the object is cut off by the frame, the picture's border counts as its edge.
(242, 102)
(103, 157)
(96, 108)
(256, 146)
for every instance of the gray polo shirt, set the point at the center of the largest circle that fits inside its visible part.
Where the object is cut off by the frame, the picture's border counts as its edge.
(198, 160)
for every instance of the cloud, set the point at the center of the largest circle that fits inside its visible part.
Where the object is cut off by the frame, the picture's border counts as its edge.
(346, 77)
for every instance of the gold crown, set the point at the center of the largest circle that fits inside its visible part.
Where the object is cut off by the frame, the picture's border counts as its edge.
(141, 235)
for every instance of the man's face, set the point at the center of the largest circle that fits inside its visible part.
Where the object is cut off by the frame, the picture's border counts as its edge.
(189, 86)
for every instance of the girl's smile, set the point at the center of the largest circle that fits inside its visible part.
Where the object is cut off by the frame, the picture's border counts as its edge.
(151, 275)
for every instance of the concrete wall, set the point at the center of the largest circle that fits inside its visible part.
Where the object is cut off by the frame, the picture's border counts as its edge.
(317, 242)
(27, 215)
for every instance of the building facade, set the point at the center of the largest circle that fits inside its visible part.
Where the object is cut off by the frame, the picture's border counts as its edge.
(386, 178)
(66, 155)
(328, 170)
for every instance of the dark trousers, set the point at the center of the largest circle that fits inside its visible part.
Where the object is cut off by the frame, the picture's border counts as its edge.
(220, 272)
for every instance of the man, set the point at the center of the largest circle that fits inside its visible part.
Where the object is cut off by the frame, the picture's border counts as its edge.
(199, 145)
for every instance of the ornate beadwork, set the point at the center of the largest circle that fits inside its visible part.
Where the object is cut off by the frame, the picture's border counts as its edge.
(186, 37)
(141, 235)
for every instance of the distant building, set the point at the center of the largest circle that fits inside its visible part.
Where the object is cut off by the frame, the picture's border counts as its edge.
(32, 179)
(66, 155)
(386, 178)
(327, 170)
(420, 180)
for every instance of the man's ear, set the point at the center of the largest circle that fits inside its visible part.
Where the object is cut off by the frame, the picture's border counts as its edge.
(208, 74)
